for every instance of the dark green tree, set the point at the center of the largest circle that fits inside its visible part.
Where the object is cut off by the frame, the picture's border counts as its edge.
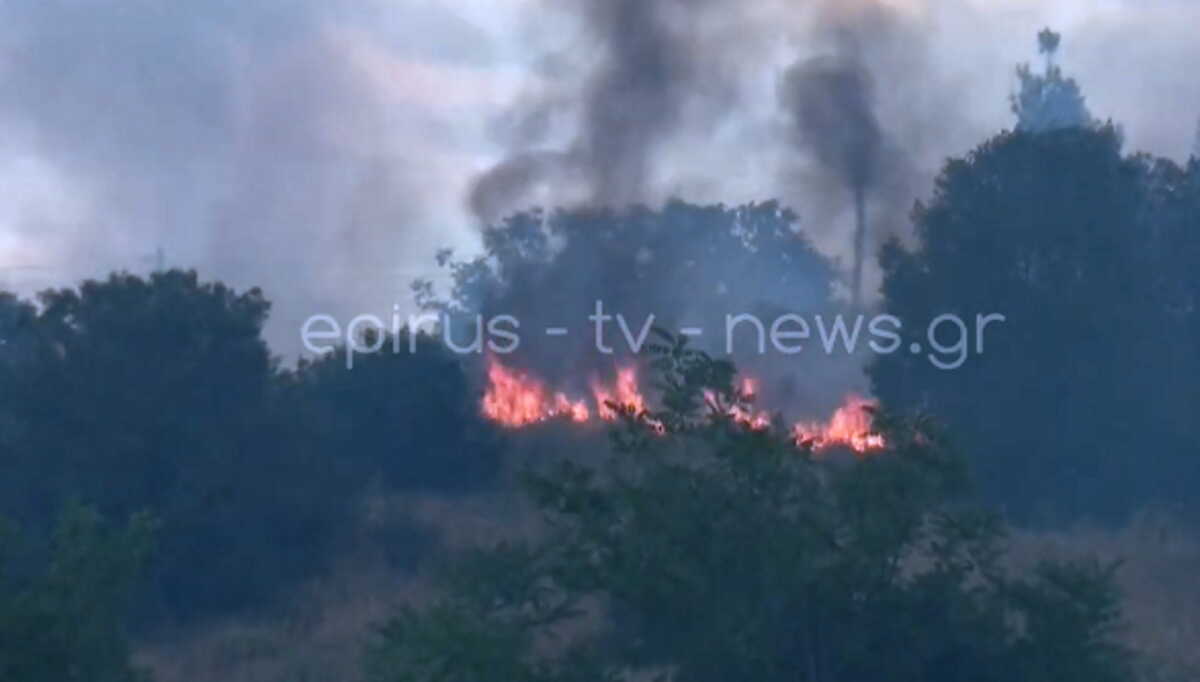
(1049, 100)
(159, 393)
(63, 611)
(1076, 405)
(686, 264)
(407, 415)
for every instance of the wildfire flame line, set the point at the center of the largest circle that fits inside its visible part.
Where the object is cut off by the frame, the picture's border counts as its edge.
(516, 399)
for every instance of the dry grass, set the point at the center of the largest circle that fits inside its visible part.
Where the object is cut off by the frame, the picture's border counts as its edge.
(1159, 577)
(320, 636)
(319, 639)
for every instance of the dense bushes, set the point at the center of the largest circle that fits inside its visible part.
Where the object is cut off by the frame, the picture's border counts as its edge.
(722, 553)
(63, 602)
(160, 394)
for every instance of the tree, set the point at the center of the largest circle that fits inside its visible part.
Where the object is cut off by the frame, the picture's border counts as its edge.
(686, 264)
(1049, 101)
(62, 617)
(160, 393)
(1075, 406)
(708, 550)
(407, 415)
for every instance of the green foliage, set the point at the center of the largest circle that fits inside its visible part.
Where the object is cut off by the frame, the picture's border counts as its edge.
(61, 619)
(1082, 402)
(407, 415)
(159, 393)
(539, 265)
(1049, 101)
(491, 626)
(720, 552)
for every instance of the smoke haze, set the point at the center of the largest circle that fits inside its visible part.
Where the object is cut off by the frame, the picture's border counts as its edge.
(325, 150)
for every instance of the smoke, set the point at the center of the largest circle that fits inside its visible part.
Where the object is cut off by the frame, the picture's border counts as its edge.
(658, 63)
(283, 145)
(719, 100)
(323, 150)
(669, 82)
(830, 104)
(862, 150)
(513, 181)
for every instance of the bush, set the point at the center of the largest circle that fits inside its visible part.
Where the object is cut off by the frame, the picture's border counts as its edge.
(722, 552)
(62, 612)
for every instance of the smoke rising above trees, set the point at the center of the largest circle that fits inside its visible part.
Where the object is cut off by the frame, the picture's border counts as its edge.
(829, 100)
(653, 63)
(343, 139)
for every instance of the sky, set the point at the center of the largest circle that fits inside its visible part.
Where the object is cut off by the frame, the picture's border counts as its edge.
(326, 149)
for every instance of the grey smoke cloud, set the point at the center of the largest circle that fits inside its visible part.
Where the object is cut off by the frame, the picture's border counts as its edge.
(288, 145)
(829, 100)
(656, 64)
(324, 149)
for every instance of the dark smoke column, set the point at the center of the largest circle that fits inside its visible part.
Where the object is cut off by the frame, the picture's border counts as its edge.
(860, 244)
(651, 67)
(829, 102)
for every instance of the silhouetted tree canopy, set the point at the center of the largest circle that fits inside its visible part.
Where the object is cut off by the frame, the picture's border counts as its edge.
(686, 264)
(1049, 100)
(159, 393)
(1081, 403)
(410, 417)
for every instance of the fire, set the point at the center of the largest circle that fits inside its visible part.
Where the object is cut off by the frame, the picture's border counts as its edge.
(625, 395)
(849, 427)
(515, 399)
(742, 415)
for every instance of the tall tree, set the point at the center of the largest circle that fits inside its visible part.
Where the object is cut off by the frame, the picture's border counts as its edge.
(159, 393)
(1068, 410)
(407, 415)
(1049, 100)
(686, 264)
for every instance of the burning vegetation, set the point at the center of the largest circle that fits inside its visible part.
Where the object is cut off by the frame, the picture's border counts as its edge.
(515, 399)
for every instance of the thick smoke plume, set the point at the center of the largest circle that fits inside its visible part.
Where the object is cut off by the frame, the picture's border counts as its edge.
(323, 150)
(830, 101)
(664, 81)
(655, 64)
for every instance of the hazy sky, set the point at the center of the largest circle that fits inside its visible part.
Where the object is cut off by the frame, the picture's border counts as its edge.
(324, 149)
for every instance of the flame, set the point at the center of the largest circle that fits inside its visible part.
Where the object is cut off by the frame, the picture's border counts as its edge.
(514, 399)
(750, 419)
(849, 427)
(626, 395)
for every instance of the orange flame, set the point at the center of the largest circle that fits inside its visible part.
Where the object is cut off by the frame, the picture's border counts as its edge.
(626, 395)
(514, 399)
(741, 415)
(849, 427)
